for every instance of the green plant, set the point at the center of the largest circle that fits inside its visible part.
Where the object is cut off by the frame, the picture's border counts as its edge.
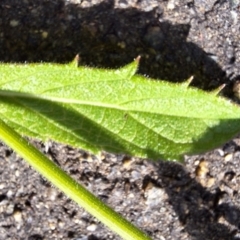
(111, 110)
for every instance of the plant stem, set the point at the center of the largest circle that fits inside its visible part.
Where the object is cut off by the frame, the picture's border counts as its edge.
(69, 186)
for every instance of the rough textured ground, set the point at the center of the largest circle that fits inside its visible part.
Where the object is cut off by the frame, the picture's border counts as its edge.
(176, 39)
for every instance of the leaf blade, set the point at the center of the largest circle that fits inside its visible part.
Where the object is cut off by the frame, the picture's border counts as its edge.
(113, 110)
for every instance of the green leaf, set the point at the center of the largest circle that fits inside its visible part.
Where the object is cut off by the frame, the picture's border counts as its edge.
(114, 110)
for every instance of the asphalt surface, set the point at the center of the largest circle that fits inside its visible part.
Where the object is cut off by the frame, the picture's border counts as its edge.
(197, 200)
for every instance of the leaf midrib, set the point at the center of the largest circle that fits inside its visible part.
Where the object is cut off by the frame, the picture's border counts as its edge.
(14, 94)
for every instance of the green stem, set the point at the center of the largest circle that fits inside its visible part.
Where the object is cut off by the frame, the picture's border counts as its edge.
(69, 186)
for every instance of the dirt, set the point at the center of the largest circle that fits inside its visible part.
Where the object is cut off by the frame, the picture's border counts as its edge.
(176, 39)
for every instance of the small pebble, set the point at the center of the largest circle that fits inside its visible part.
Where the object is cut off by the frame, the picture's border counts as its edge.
(171, 5)
(44, 34)
(17, 216)
(228, 157)
(202, 169)
(92, 227)
(14, 23)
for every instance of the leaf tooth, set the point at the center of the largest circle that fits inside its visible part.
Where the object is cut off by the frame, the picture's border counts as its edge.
(137, 59)
(218, 90)
(75, 61)
(187, 82)
(128, 71)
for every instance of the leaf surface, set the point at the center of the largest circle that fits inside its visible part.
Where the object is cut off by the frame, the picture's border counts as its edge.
(114, 110)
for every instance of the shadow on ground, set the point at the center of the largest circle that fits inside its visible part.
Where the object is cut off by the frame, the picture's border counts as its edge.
(104, 36)
(198, 209)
